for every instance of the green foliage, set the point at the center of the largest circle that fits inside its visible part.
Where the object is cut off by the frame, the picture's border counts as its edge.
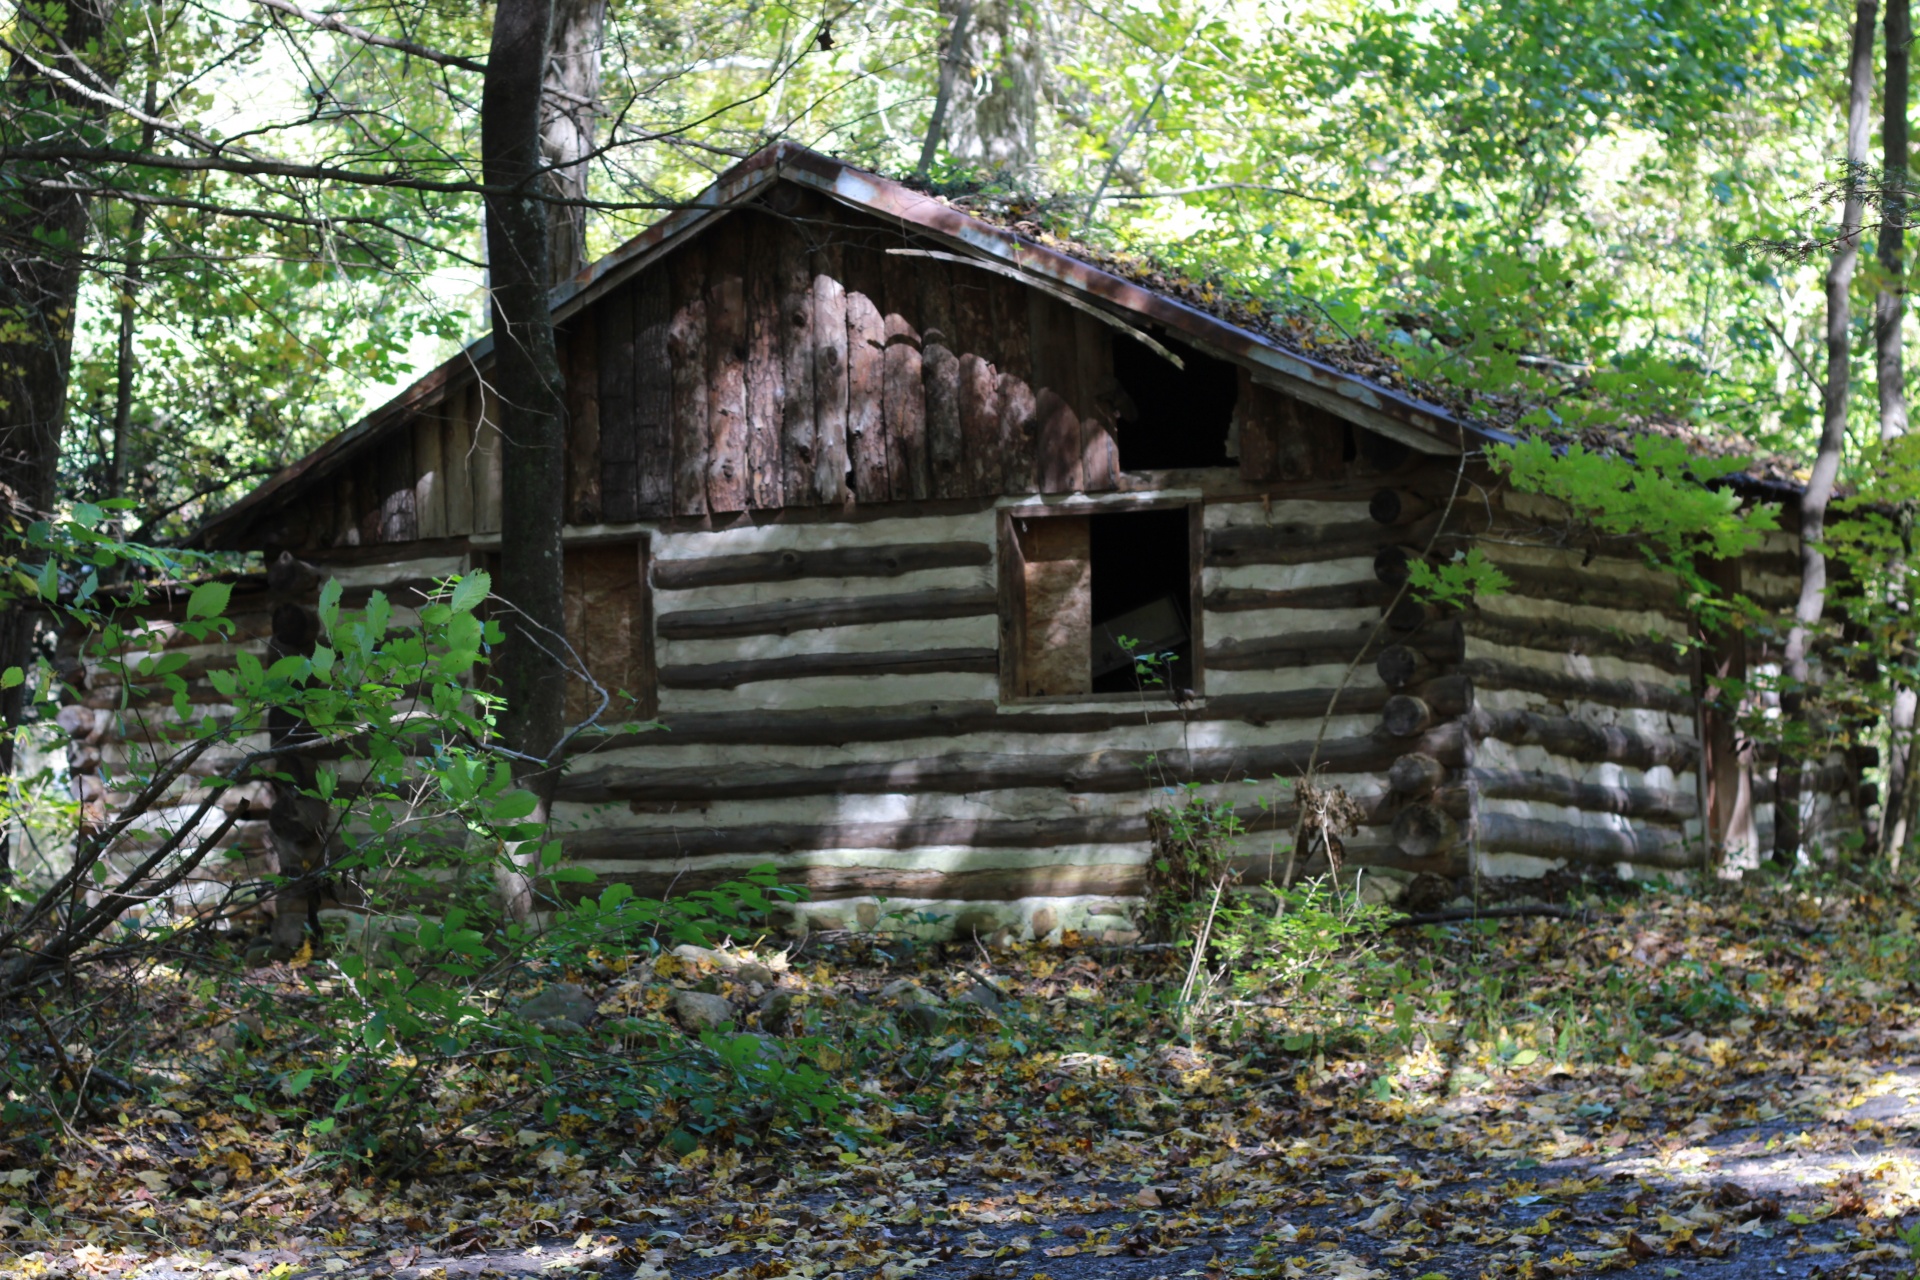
(395, 776)
(1314, 949)
(1192, 853)
(1459, 581)
(1663, 496)
(1663, 500)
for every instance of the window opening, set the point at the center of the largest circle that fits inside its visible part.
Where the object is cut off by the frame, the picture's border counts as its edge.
(1176, 418)
(1142, 591)
(1085, 582)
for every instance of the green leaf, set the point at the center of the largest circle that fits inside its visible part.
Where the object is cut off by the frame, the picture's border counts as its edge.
(12, 678)
(473, 588)
(330, 604)
(209, 599)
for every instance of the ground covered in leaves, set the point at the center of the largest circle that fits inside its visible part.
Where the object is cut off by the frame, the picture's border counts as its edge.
(1677, 1086)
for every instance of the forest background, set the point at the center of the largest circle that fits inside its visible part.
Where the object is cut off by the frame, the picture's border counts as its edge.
(1555, 202)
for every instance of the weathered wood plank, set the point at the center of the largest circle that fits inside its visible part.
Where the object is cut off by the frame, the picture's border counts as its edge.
(1548, 788)
(1567, 638)
(687, 352)
(617, 372)
(1053, 340)
(1019, 421)
(786, 617)
(1651, 846)
(641, 843)
(1593, 589)
(367, 493)
(798, 431)
(1303, 542)
(653, 394)
(731, 675)
(1314, 648)
(1257, 423)
(766, 369)
(832, 459)
(940, 376)
(343, 524)
(1676, 698)
(974, 342)
(1337, 595)
(456, 450)
(486, 464)
(1099, 403)
(1057, 606)
(1106, 771)
(726, 349)
(903, 391)
(795, 837)
(399, 521)
(581, 343)
(824, 884)
(1579, 740)
(839, 726)
(883, 561)
(866, 377)
(980, 424)
(430, 479)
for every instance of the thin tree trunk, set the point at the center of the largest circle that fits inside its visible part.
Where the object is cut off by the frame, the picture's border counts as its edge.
(950, 65)
(130, 280)
(527, 380)
(42, 233)
(1833, 432)
(570, 103)
(1889, 316)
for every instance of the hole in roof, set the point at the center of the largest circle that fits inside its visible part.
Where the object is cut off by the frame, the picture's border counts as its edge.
(1176, 417)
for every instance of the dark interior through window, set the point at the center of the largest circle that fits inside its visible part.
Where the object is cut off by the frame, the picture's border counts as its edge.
(1179, 417)
(1142, 589)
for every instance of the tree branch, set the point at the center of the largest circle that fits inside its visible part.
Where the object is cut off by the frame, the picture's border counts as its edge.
(327, 22)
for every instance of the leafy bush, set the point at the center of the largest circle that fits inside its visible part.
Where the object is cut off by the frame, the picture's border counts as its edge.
(395, 801)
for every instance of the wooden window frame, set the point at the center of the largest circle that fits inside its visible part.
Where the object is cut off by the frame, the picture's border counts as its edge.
(1011, 563)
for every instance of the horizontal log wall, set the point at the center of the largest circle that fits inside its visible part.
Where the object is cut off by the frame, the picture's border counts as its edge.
(1586, 744)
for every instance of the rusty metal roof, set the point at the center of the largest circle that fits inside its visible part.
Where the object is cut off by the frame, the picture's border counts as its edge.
(1429, 427)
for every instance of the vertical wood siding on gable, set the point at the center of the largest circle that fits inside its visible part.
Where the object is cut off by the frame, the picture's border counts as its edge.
(789, 359)
(580, 347)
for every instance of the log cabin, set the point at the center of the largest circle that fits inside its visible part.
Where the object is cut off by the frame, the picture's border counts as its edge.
(866, 491)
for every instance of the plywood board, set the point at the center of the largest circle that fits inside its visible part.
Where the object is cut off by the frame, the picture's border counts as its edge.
(1057, 572)
(606, 626)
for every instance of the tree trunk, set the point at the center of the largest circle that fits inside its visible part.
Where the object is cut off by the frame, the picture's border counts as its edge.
(119, 459)
(1833, 432)
(1889, 315)
(42, 234)
(527, 380)
(571, 96)
(993, 115)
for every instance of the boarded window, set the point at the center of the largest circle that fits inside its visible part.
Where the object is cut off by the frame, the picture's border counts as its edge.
(1090, 595)
(609, 627)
